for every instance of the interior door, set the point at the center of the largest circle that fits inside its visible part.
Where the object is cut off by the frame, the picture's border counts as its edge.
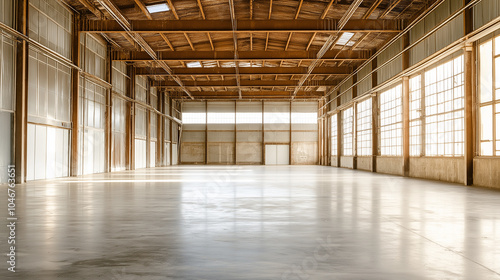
(282, 154)
(277, 154)
(270, 154)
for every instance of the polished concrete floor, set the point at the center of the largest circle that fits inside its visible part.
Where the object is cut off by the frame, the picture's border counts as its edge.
(252, 222)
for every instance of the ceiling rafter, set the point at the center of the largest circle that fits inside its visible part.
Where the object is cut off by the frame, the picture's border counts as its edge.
(245, 26)
(331, 55)
(331, 40)
(244, 83)
(111, 8)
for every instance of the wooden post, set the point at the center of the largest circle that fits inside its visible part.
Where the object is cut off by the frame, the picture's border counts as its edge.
(354, 123)
(263, 142)
(469, 94)
(20, 135)
(469, 114)
(290, 137)
(75, 76)
(235, 133)
(374, 118)
(339, 131)
(171, 128)
(159, 131)
(406, 108)
(131, 118)
(108, 114)
(406, 126)
(148, 126)
(206, 132)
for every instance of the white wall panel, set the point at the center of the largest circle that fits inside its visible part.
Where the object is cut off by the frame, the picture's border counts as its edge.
(140, 153)
(6, 147)
(118, 127)
(152, 152)
(47, 152)
(174, 154)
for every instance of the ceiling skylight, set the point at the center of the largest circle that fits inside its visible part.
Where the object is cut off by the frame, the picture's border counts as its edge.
(344, 39)
(157, 8)
(194, 64)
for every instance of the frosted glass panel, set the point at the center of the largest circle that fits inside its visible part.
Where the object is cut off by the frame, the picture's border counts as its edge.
(140, 153)
(47, 152)
(152, 157)
(6, 145)
(54, 25)
(118, 146)
(7, 73)
(49, 88)
(94, 55)
(7, 12)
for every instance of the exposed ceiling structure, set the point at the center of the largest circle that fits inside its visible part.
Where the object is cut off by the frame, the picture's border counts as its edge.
(246, 49)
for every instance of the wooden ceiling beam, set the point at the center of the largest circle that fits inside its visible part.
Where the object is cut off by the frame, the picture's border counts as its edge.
(244, 83)
(242, 55)
(244, 26)
(255, 93)
(228, 71)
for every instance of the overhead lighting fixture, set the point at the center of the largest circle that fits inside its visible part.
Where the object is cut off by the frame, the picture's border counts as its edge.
(157, 8)
(344, 39)
(194, 64)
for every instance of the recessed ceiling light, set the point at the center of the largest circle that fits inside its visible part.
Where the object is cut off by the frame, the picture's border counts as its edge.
(344, 39)
(194, 64)
(157, 8)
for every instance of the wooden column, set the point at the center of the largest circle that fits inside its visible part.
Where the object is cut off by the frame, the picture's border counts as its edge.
(75, 77)
(148, 126)
(206, 132)
(354, 136)
(406, 126)
(290, 137)
(406, 108)
(159, 131)
(109, 113)
(469, 94)
(20, 135)
(263, 142)
(131, 118)
(339, 131)
(354, 124)
(469, 114)
(171, 128)
(374, 118)
(235, 133)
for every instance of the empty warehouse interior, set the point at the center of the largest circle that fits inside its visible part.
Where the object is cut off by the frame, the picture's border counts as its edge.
(250, 139)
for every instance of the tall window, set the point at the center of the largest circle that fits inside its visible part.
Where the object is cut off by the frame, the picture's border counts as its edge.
(444, 109)
(489, 98)
(347, 132)
(391, 125)
(416, 116)
(194, 118)
(364, 127)
(333, 143)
